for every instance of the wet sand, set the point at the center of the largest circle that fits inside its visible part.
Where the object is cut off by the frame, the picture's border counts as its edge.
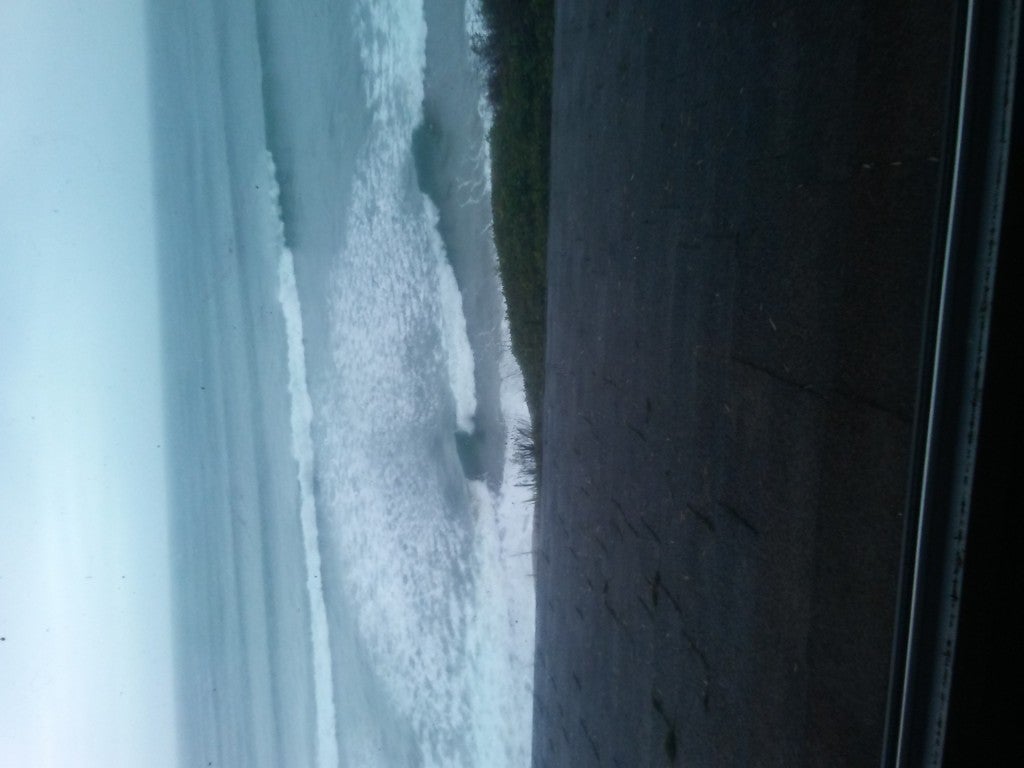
(742, 215)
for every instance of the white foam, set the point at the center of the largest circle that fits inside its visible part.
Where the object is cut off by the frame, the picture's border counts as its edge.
(476, 28)
(392, 532)
(397, 340)
(393, 38)
(501, 633)
(505, 605)
(302, 451)
(449, 638)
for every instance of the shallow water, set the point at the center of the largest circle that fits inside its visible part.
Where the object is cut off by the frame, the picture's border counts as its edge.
(348, 522)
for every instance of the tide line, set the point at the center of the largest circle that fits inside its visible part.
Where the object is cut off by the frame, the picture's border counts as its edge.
(302, 451)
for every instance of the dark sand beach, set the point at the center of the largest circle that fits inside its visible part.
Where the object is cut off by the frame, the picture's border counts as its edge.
(741, 221)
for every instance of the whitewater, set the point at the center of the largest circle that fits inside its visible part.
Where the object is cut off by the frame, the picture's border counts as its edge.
(351, 528)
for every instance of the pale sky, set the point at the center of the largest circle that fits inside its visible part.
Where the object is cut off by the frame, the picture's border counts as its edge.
(85, 664)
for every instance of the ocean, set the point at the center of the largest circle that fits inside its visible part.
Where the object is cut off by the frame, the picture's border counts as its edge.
(350, 529)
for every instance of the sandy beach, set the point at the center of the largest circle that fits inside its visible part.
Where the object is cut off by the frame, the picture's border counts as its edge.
(742, 206)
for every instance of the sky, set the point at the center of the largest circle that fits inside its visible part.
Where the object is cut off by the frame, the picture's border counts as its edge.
(85, 660)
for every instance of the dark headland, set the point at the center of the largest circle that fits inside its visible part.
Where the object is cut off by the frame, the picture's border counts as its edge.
(741, 216)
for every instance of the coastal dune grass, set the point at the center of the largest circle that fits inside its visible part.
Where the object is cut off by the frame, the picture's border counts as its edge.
(518, 49)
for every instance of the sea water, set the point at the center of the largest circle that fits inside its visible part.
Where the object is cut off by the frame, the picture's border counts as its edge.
(350, 530)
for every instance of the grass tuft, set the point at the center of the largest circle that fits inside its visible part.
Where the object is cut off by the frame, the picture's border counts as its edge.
(526, 454)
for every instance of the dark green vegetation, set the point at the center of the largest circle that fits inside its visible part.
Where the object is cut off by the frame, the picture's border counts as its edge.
(519, 51)
(527, 449)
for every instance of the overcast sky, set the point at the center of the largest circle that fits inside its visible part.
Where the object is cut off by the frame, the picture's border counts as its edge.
(85, 664)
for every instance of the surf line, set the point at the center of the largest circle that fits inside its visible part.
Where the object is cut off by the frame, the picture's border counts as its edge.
(302, 451)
